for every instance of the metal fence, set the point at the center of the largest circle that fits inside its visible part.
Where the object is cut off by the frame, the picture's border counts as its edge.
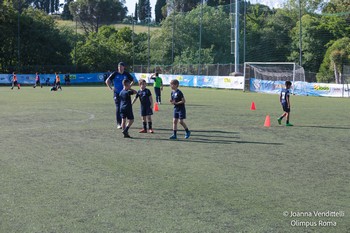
(183, 69)
(192, 69)
(204, 69)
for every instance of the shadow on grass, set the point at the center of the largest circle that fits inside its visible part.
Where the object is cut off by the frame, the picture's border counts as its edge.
(199, 105)
(322, 126)
(202, 131)
(207, 138)
(194, 139)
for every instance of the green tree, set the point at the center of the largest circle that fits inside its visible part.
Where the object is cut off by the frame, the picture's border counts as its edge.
(264, 28)
(42, 43)
(337, 6)
(160, 4)
(218, 2)
(307, 6)
(92, 13)
(38, 45)
(8, 38)
(142, 10)
(102, 50)
(215, 44)
(49, 6)
(337, 55)
(66, 15)
(314, 38)
(136, 12)
(185, 5)
(275, 38)
(318, 32)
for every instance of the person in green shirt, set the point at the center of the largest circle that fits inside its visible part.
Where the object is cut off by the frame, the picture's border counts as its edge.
(158, 86)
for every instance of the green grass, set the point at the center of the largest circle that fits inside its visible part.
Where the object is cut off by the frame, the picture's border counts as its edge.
(64, 167)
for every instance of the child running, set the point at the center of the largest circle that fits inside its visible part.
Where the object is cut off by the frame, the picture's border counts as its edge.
(58, 82)
(14, 81)
(126, 107)
(178, 100)
(37, 81)
(146, 102)
(285, 102)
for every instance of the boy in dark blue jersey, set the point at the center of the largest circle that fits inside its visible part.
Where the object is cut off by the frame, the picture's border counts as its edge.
(146, 102)
(178, 100)
(126, 107)
(117, 78)
(285, 102)
(37, 81)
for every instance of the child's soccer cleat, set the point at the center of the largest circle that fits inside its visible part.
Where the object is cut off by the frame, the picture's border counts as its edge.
(173, 137)
(143, 131)
(188, 134)
(151, 131)
(289, 124)
(279, 120)
(126, 134)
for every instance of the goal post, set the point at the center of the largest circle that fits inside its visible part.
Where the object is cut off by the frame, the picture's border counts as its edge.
(272, 71)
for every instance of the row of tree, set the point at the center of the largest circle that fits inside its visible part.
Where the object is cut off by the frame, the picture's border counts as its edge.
(188, 34)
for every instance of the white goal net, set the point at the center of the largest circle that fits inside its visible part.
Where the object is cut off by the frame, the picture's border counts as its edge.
(273, 71)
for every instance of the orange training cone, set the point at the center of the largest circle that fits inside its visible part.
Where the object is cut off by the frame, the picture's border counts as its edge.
(156, 108)
(267, 121)
(252, 107)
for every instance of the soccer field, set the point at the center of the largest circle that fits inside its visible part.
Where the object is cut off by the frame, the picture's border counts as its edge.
(65, 167)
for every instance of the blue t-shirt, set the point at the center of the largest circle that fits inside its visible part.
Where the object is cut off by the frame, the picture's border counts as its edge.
(144, 97)
(118, 78)
(284, 94)
(125, 99)
(177, 96)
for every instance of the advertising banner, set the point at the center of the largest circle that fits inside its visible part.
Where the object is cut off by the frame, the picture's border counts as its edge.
(228, 82)
(300, 88)
(49, 79)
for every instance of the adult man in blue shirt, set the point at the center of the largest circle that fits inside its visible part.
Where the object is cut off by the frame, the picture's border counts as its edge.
(117, 78)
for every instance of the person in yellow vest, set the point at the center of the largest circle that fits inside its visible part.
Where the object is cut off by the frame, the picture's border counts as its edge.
(158, 86)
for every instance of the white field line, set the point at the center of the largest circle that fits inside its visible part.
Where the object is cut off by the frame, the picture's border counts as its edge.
(90, 116)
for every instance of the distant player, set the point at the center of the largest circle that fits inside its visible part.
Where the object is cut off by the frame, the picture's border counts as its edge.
(146, 102)
(158, 86)
(285, 102)
(67, 79)
(178, 100)
(58, 82)
(15, 82)
(126, 107)
(37, 81)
